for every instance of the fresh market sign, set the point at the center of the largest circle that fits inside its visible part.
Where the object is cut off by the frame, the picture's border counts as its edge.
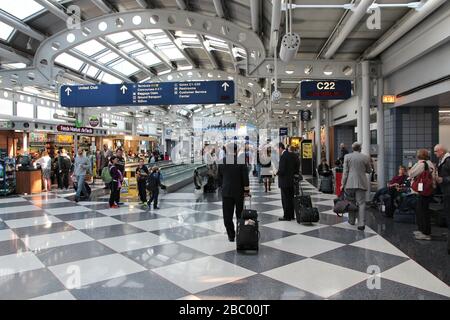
(73, 129)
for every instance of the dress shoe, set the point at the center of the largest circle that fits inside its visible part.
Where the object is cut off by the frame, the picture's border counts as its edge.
(284, 219)
(361, 228)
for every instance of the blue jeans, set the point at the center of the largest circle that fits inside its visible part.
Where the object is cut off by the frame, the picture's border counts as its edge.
(80, 186)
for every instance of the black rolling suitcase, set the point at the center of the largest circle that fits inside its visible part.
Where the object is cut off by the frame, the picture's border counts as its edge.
(304, 210)
(87, 188)
(247, 230)
(326, 184)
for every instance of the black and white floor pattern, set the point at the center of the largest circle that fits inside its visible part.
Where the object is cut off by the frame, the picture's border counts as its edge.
(53, 248)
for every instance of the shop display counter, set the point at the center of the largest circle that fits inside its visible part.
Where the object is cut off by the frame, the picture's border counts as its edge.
(29, 181)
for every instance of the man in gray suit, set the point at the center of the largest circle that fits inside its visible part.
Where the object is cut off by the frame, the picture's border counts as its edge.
(355, 182)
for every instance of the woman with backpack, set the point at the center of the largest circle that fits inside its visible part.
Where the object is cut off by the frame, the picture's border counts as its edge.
(423, 175)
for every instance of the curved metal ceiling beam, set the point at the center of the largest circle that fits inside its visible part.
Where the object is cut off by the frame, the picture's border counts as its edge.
(150, 19)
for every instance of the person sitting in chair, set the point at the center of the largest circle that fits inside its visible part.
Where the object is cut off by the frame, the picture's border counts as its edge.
(396, 185)
(324, 169)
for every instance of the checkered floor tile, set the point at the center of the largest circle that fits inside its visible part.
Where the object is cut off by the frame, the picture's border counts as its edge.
(52, 248)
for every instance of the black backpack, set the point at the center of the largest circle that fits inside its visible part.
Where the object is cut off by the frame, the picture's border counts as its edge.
(66, 164)
(152, 181)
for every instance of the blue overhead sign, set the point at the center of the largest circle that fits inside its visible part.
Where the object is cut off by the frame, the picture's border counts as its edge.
(144, 94)
(326, 90)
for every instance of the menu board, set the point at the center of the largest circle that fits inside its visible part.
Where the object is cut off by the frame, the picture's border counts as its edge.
(66, 139)
(38, 137)
(307, 150)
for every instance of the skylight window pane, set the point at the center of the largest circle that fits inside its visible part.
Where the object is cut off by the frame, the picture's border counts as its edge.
(185, 35)
(15, 65)
(107, 78)
(90, 48)
(160, 41)
(105, 59)
(172, 52)
(5, 31)
(148, 59)
(132, 47)
(181, 68)
(69, 61)
(21, 9)
(125, 68)
(120, 37)
(152, 31)
(91, 71)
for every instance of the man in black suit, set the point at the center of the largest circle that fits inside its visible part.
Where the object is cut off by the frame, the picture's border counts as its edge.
(233, 177)
(288, 167)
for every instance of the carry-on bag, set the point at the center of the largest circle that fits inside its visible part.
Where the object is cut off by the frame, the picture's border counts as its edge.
(326, 184)
(247, 230)
(303, 208)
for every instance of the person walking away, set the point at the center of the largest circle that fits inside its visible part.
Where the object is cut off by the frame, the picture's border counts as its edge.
(233, 177)
(81, 168)
(115, 184)
(65, 164)
(343, 153)
(141, 177)
(46, 167)
(152, 159)
(288, 168)
(443, 181)
(105, 155)
(121, 166)
(153, 184)
(423, 175)
(58, 169)
(267, 169)
(355, 182)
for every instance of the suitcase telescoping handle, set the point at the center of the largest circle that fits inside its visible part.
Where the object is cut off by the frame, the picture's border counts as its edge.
(250, 201)
(297, 181)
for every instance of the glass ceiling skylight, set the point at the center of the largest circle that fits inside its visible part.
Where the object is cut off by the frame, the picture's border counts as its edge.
(90, 48)
(120, 37)
(107, 57)
(134, 46)
(20, 9)
(148, 58)
(69, 61)
(5, 31)
(91, 71)
(125, 68)
(107, 78)
(171, 51)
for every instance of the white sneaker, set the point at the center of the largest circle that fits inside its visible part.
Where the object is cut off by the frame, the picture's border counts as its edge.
(423, 237)
(417, 232)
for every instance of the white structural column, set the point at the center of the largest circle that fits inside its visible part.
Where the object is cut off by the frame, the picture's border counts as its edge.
(380, 134)
(300, 126)
(25, 142)
(364, 137)
(317, 133)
